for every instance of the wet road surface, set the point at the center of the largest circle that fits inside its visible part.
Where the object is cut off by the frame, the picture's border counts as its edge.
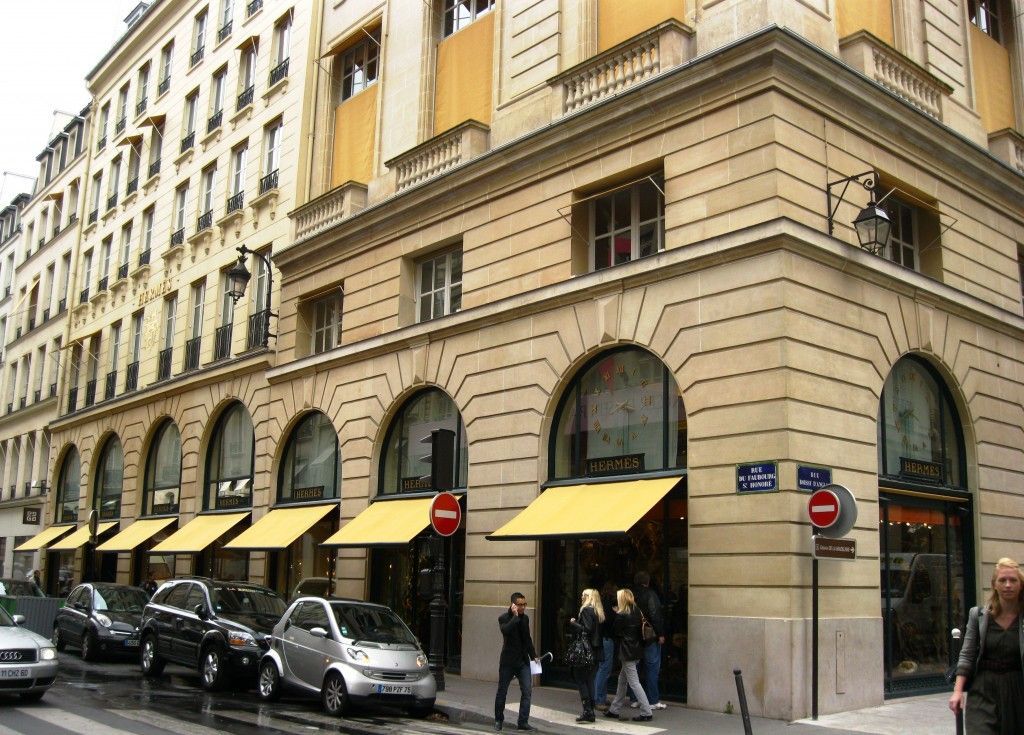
(113, 698)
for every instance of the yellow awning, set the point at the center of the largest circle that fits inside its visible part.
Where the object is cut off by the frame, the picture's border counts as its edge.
(198, 533)
(43, 538)
(585, 511)
(135, 534)
(385, 523)
(81, 536)
(280, 527)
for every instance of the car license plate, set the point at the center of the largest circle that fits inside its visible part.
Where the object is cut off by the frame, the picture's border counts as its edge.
(14, 673)
(393, 689)
(131, 642)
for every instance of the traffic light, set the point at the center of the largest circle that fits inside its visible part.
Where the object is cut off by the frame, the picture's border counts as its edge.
(441, 458)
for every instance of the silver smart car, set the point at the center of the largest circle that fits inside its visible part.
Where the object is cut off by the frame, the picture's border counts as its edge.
(347, 652)
(28, 662)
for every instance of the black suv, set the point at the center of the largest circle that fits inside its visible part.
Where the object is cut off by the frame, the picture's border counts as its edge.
(219, 628)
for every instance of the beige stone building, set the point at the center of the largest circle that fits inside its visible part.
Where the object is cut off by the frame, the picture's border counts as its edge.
(610, 247)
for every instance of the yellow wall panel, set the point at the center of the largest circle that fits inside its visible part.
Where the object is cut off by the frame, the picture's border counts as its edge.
(990, 62)
(873, 16)
(618, 20)
(355, 126)
(464, 70)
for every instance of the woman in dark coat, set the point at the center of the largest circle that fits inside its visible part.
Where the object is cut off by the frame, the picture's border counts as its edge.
(588, 624)
(992, 658)
(630, 645)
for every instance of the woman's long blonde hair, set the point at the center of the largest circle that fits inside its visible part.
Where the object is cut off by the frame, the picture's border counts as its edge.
(993, 597)
(626, 601)
(592, 598)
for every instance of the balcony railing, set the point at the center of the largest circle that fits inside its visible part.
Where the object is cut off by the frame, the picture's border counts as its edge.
(224, 32)
(192, 348)
(110, 384)
(94, 215)
(90, 392)
(112, 201)
(22, 402)
(42, 241)
(252, 7)
(178, 236)
(154, 168)
(268, 182)
(101, 143)
(17, 333)
(215, 120)
(279, 72)
(10, 409)
(120, 125)
(222, 342)
(62, 305)
(205, 221)
(131, 377)
(188, 141)
(197, 56)
(236, 202)
(37, 395)
(56, 231)
(163, 370)
(46, 315)
(144, 257)
(122, 271)
(132, 187)
(326, 211)
(245, 98)
(31, 324)
(72, 219)
(72, 399)
(259, 329)
(164, 85)
(84, 296)
(53, 390)
(441, 153)
(140, 106)
(102, 285)
(7, 292)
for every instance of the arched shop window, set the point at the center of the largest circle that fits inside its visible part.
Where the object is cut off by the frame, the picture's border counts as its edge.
(311, 469)
(163, 471)
(69, 487)
(622, 415)
(109, 479)
(229, 462)
(404, 468)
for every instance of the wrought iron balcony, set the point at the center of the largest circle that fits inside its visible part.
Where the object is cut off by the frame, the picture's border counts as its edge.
(215, 120)
(222, 342)
(132, 187)
(62, 305)
(120, 125)
(259, 329)
(122, 271)
(84, 296)
(22, 402)
(192, 348)
(268, 182)
(164, 85)
(205, 221)
(131, 377)
(102, 285)
(72, 219)
(53, 390)
(56, 231)
(140, 107)
(101, 143)
(188, 141)
(72, 399)
(31, 324)
(197, 56)
(7, 292)
(37, 395)
(10, 409)
(252, 7)
(112, 201)
(245, 98)
(17, 333)
(279, 72)
(94, 215)
(154, 168)
(178, 237)
(163, 370)
(144, 257)
(224, 32)
(46, 315)
(90, 392)
(110, 384)
(42, 241)
(236, 202)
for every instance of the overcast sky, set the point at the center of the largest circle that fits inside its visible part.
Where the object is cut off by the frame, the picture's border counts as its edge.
(48, 47)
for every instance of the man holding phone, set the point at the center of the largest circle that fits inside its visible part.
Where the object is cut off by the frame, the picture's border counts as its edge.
(516, 653)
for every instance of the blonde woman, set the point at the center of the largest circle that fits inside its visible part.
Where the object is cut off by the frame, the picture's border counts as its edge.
(992, 658)
(630, 645)
(588, 625)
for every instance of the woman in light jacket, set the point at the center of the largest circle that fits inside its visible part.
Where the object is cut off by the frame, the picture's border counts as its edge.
(992, 658)
(588, 624)
(630, 645)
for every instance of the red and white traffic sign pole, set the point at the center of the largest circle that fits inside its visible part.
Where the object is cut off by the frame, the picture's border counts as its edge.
(823, 508)
(445, 514)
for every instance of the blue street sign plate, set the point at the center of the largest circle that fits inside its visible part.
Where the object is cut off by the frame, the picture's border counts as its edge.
(812, 478)
(762, 477)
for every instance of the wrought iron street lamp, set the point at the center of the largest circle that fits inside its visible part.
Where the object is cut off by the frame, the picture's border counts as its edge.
(872, 224)
(238, 279)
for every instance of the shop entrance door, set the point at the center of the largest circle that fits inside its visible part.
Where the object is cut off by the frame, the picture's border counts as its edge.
(927, 587)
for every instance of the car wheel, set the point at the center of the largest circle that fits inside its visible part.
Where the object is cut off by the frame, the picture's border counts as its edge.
(90, 647)
(149, 659)
(32, 696)
(334, 695)
(58, 639)
(211, 669)
(269, 685)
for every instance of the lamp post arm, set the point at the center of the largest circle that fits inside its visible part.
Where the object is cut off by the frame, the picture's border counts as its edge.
(867, 179)
(243, 251)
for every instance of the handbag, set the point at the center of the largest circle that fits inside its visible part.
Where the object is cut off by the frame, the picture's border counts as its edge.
(647, 630)
(579, 653)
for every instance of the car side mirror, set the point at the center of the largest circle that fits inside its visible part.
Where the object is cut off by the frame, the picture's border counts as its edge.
(18, 619)
(318, 632)
(201, 612)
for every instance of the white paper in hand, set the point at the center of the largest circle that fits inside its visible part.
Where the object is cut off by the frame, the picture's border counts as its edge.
(536, 668)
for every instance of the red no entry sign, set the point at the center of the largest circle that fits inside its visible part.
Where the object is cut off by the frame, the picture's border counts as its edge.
(823, 508)
(445, 514)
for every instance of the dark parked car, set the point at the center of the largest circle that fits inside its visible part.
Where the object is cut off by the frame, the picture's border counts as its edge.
(101, 618)
(219, 628)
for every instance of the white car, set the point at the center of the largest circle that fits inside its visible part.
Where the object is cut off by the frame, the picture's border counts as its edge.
(347, 651)
(28, 661)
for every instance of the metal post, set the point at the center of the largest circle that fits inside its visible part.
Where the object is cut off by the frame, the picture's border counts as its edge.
(814, 635)
(438, 612)
(957, 643)
(742, 695)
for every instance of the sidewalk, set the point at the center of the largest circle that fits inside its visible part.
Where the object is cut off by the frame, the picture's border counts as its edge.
(554, 711)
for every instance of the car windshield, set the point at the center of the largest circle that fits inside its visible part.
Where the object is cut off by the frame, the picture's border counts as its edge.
(5, 619)
(119, 599)
(247, 601)
(373, 624)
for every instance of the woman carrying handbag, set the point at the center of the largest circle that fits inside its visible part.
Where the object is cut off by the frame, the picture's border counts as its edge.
(630, 646)
(588, 639)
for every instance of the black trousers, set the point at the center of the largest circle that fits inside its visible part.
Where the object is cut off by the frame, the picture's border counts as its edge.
(584, 678)
(505, 676)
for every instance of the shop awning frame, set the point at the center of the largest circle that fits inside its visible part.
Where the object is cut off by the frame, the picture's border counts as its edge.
(44, 538)
(137, 533)
(279, 528)
(198, 533)
(385, 523)
(586, 511)
(79, 538)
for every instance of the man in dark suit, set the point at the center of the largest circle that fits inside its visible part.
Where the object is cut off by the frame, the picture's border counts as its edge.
(516, 653)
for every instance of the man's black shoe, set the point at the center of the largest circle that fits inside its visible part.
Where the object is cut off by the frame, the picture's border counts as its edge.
(643, 718)
(497, 725)
(526, 728)
(612, 715)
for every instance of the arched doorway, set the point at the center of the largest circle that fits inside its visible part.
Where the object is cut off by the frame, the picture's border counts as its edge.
(925, 527)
